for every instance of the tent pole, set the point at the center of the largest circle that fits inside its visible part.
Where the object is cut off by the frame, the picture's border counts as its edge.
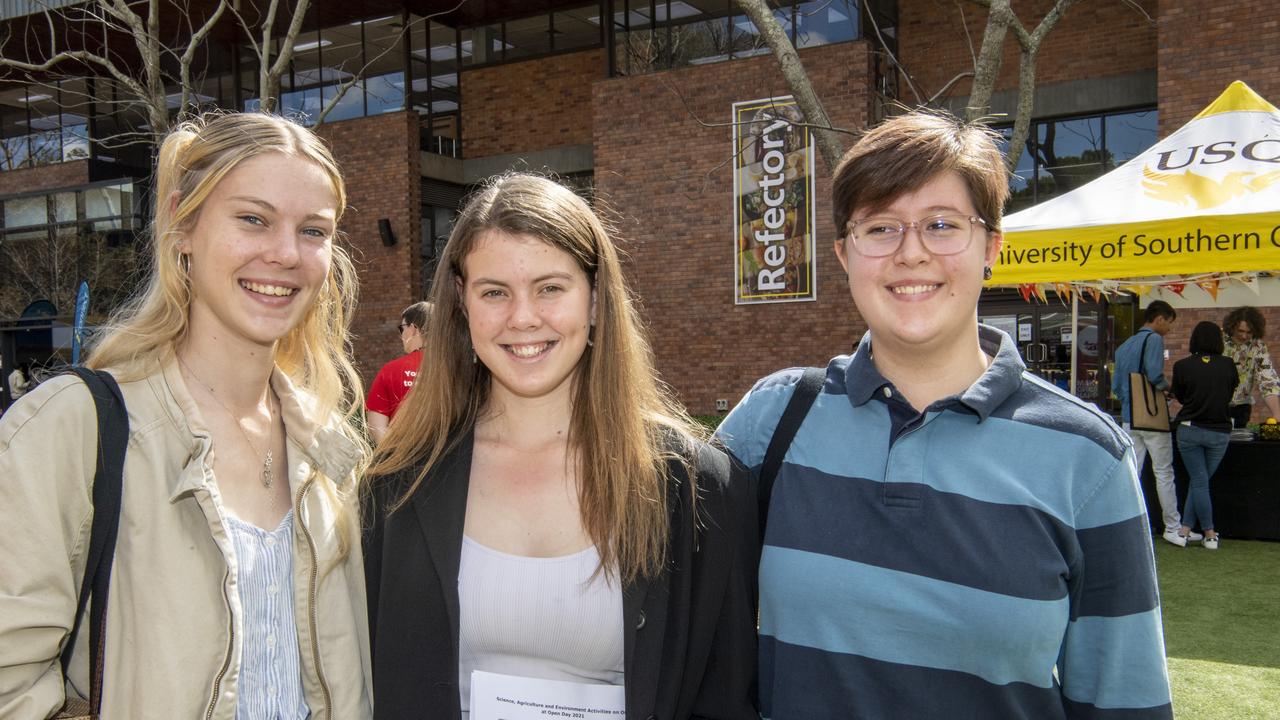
(1075, 332)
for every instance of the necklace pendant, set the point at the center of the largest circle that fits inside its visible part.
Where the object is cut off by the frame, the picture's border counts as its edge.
(268, 475)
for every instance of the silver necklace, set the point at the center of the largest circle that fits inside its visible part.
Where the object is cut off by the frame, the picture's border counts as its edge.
(268, 476)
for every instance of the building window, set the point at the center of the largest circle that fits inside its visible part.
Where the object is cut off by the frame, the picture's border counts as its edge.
(1063, 154)
(652, 35)
(43, 124)
(98, 208)
(528, 36)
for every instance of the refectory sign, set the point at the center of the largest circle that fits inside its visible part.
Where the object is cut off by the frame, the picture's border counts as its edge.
(773, 208)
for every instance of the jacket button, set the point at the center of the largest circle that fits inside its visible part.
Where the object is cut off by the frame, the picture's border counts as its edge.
(640, 626)
(652, 717)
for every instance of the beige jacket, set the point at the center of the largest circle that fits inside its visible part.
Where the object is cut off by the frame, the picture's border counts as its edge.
(174, 617)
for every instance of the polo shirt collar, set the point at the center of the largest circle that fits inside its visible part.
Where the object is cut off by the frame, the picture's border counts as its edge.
(1000, 380)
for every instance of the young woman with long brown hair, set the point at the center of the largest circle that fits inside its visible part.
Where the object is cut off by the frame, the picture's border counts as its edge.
(542, 510)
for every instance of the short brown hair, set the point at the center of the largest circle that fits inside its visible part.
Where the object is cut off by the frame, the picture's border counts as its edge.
(417, 315)
(905, 152)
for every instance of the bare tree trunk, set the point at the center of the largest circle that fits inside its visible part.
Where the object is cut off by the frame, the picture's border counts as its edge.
(829, 145)
(1000, 19)
(986, 66)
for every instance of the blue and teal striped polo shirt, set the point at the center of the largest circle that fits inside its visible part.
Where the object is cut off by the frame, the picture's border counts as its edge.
(987, 558)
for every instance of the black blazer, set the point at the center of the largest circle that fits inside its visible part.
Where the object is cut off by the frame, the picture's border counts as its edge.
(690, 634)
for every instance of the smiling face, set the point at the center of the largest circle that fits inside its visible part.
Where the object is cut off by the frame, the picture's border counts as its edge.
(913, 301)
(260, 250)
(529, 308)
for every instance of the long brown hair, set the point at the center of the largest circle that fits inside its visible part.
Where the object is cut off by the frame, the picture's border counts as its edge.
(623, 419)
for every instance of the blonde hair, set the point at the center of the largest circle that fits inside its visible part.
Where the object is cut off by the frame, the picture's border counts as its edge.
(624, 426)
(142, 335)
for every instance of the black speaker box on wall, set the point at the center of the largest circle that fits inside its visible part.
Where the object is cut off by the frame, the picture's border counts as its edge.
(384, 229)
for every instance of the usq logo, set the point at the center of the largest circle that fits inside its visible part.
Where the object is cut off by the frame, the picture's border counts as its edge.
(1192, 189)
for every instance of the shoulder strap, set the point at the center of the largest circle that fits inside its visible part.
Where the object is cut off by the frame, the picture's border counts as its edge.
(1142, 356)
(807, 390)
(108, 478)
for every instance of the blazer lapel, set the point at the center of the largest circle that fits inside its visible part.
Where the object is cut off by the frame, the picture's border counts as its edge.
(441, 507)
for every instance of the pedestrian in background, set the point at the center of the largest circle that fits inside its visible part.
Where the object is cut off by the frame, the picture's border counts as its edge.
(543, 511)
(948, 535)
(237, 587)
(395, 379)
(1145, 350)
(1204, 383)
(1246, 346)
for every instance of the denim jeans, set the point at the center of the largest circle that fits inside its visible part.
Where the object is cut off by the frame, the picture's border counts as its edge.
(1201, 452)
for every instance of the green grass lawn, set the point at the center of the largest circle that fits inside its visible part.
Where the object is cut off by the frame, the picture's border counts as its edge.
(1222, 628)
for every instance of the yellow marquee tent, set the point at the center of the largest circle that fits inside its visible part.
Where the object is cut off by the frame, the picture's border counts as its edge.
(1204, 199)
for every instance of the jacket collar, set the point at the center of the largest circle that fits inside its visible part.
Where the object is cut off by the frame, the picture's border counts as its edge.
(308, 443)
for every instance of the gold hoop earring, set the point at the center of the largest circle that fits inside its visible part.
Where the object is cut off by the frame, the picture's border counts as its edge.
(184, 262)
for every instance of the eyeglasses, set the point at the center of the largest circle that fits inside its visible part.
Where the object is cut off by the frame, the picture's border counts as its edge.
(940, 234)
(402, 326)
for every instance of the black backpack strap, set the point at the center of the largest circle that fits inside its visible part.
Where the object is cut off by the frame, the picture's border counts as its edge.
(108, 479)
(807, 390)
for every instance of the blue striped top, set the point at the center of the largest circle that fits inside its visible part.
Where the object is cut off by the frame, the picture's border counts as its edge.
(987, 558)
(270, 685)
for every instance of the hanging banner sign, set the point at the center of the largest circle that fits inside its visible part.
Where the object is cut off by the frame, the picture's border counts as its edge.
(1206, 199)
(773, 203)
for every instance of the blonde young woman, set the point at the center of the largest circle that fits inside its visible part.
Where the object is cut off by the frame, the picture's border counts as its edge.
(542, 512)
(237, 589)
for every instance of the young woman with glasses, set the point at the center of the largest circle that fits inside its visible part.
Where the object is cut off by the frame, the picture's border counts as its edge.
(948, 535)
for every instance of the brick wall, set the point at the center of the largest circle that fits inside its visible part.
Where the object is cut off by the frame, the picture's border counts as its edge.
(1093, 39)
(47, 177)
(380, 160)
(1206, 46)
(1179, 336)
(529, 106)
(670, 181)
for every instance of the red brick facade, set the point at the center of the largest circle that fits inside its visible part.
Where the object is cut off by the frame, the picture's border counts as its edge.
(529, 106)
(380, 160)
(46, 177)
(1204, 47)
(670, 179)
(1092, 40)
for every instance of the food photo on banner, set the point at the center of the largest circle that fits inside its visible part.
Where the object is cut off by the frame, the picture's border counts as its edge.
(773, 203)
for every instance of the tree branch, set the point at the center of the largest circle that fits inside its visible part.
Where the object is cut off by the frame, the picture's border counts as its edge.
(797, 80)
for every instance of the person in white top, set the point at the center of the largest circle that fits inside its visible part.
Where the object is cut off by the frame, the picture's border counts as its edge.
(543, 510)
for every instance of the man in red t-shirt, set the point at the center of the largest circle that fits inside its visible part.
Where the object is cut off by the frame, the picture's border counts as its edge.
(396, 377)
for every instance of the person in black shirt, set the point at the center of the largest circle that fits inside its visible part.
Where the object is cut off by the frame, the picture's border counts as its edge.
(1203, 382)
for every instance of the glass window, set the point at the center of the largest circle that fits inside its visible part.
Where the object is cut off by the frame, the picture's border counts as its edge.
(576, 28)
(826, 21)
(26, 211)
(1129, 135)
(1062, 155)
(64, 207)
(528, 36)
(101, 202)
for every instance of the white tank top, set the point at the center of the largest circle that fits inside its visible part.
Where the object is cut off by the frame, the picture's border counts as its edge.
(543, 618)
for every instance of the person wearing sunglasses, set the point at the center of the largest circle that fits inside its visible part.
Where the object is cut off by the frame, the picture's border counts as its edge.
(396, 378)
(947, 535)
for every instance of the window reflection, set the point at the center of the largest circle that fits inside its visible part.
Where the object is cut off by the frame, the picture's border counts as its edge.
(1062, 155)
